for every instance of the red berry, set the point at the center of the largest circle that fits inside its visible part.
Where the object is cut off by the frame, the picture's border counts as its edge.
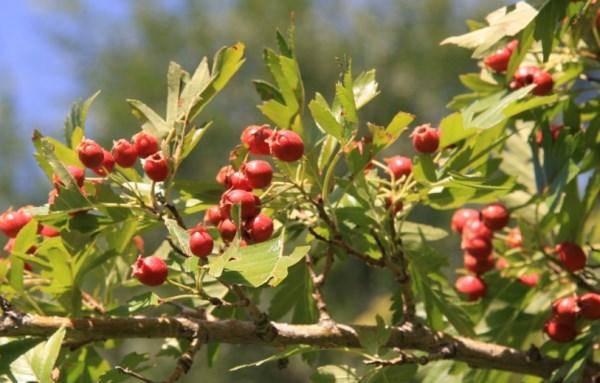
(227, 229)
(495, 216)
(512, 46)
(471, 285)
(11, 222)
(571, 255)
(543, 83)
(425, 139)
(399, 166)
(201, 243)
(395, 206)
(259, 228)
(560, 331)
(259, 173)
(49, 231)
(77, 173)
(589, 304)
(145, 144)
(477, 239)
(151, 271)
(498, 61)
(286, 146)
(238, 180)
(255, 138)
(530, 280)
(555, 130)
(478, 265)
(515, 238)
(107, 165)
(565, 308)
(124, 153)
(224, 174)
(501, 264)
(213, 216)
(246, 199)
(524, 76)
(156, 167)
(90, 153)
(461, 217)
(138, 241)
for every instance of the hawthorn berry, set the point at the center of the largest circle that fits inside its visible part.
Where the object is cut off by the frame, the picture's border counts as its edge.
(151, 271)
(201, 243)
(259, 173)
(571, 255)
(477, 239)
(399, 166)
(555, 131)
(11, 222)
(589, 305)
(255, 138)
(478, 265)
(227, 229)
(259, 228)
(49, 231)
(565, 308)
(157, 167)
(501, 264)
(495, 216)
(543, 83)
(239, 180)
(145, 144)
(213, 216)
(244, 198)
(124, 153)
(461, 217)
(107, 165)
(499, 60)
(90, 153)
(138, 242)
(77, 173)
(425, 139)
(472, 286)
(224, 174)
(528, 75)
(286, 146)
(514, 238)
(530, 280)
(560, 331)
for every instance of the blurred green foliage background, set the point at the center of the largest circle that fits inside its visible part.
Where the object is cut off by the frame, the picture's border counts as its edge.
(124, 50)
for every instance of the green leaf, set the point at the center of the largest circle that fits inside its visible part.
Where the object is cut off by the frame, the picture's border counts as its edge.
(44, 355)
(365, 88)
(424, 170)
(413, 231)
(288, 352)
(267, 91)
(277, 112)
(335, 374)
(174, 77)
(192, 138)
(372, 339)
(452, 130)
(324, 117)
(152, 121)
(179, 235)
(474, 82)
(383, 138)
(133, 361)
(491, 111)
(294, 293)
(75, 121)
(13, 350)
(48, 159)
(546, 23)
(391, 374)
(345, 97)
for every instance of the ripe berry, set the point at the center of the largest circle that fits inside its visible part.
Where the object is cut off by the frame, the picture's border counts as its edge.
(259, 228)
(259, 173)
(145, 144)
(395, 206)
(238, 180)
(151, 271)
(49, 231)
(571, 255)
(244, 198)
(543, 83)
(524, 76)
(138, 241)
(156, 167)
(77, 173)
(477, 239)
(527, 75)
(90, 153)
(589, 304)
(107, 165)
(515, 238)
(11, 222)
(478, 265)
(472, 286)
(565, 308)
(425, 139)
(495, 216)
(256, 137)
(530, 280)
(213, 216)
(286, 146)
(201, 243)
(499, 60)
(560, 331)
(555, 130)
(224, 174)
(461, 217)
(124, 153)
(399, 166)
(501, 264)
(227, 229)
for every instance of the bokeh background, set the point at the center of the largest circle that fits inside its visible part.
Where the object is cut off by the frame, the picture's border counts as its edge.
(53, 52)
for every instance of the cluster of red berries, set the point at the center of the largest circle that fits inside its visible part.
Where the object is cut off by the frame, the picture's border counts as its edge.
(125, 154)
(525, 75)
(562, 326)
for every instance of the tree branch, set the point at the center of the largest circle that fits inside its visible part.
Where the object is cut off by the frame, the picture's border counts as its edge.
(408, 336)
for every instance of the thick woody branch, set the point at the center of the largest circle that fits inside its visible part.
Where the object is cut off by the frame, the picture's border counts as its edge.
(406, 337)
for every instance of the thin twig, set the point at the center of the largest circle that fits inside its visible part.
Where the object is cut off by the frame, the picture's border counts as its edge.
(264, 329)
(133, 374)
(446, 352)
(93, 303)
(185, 361)
(318, 281)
